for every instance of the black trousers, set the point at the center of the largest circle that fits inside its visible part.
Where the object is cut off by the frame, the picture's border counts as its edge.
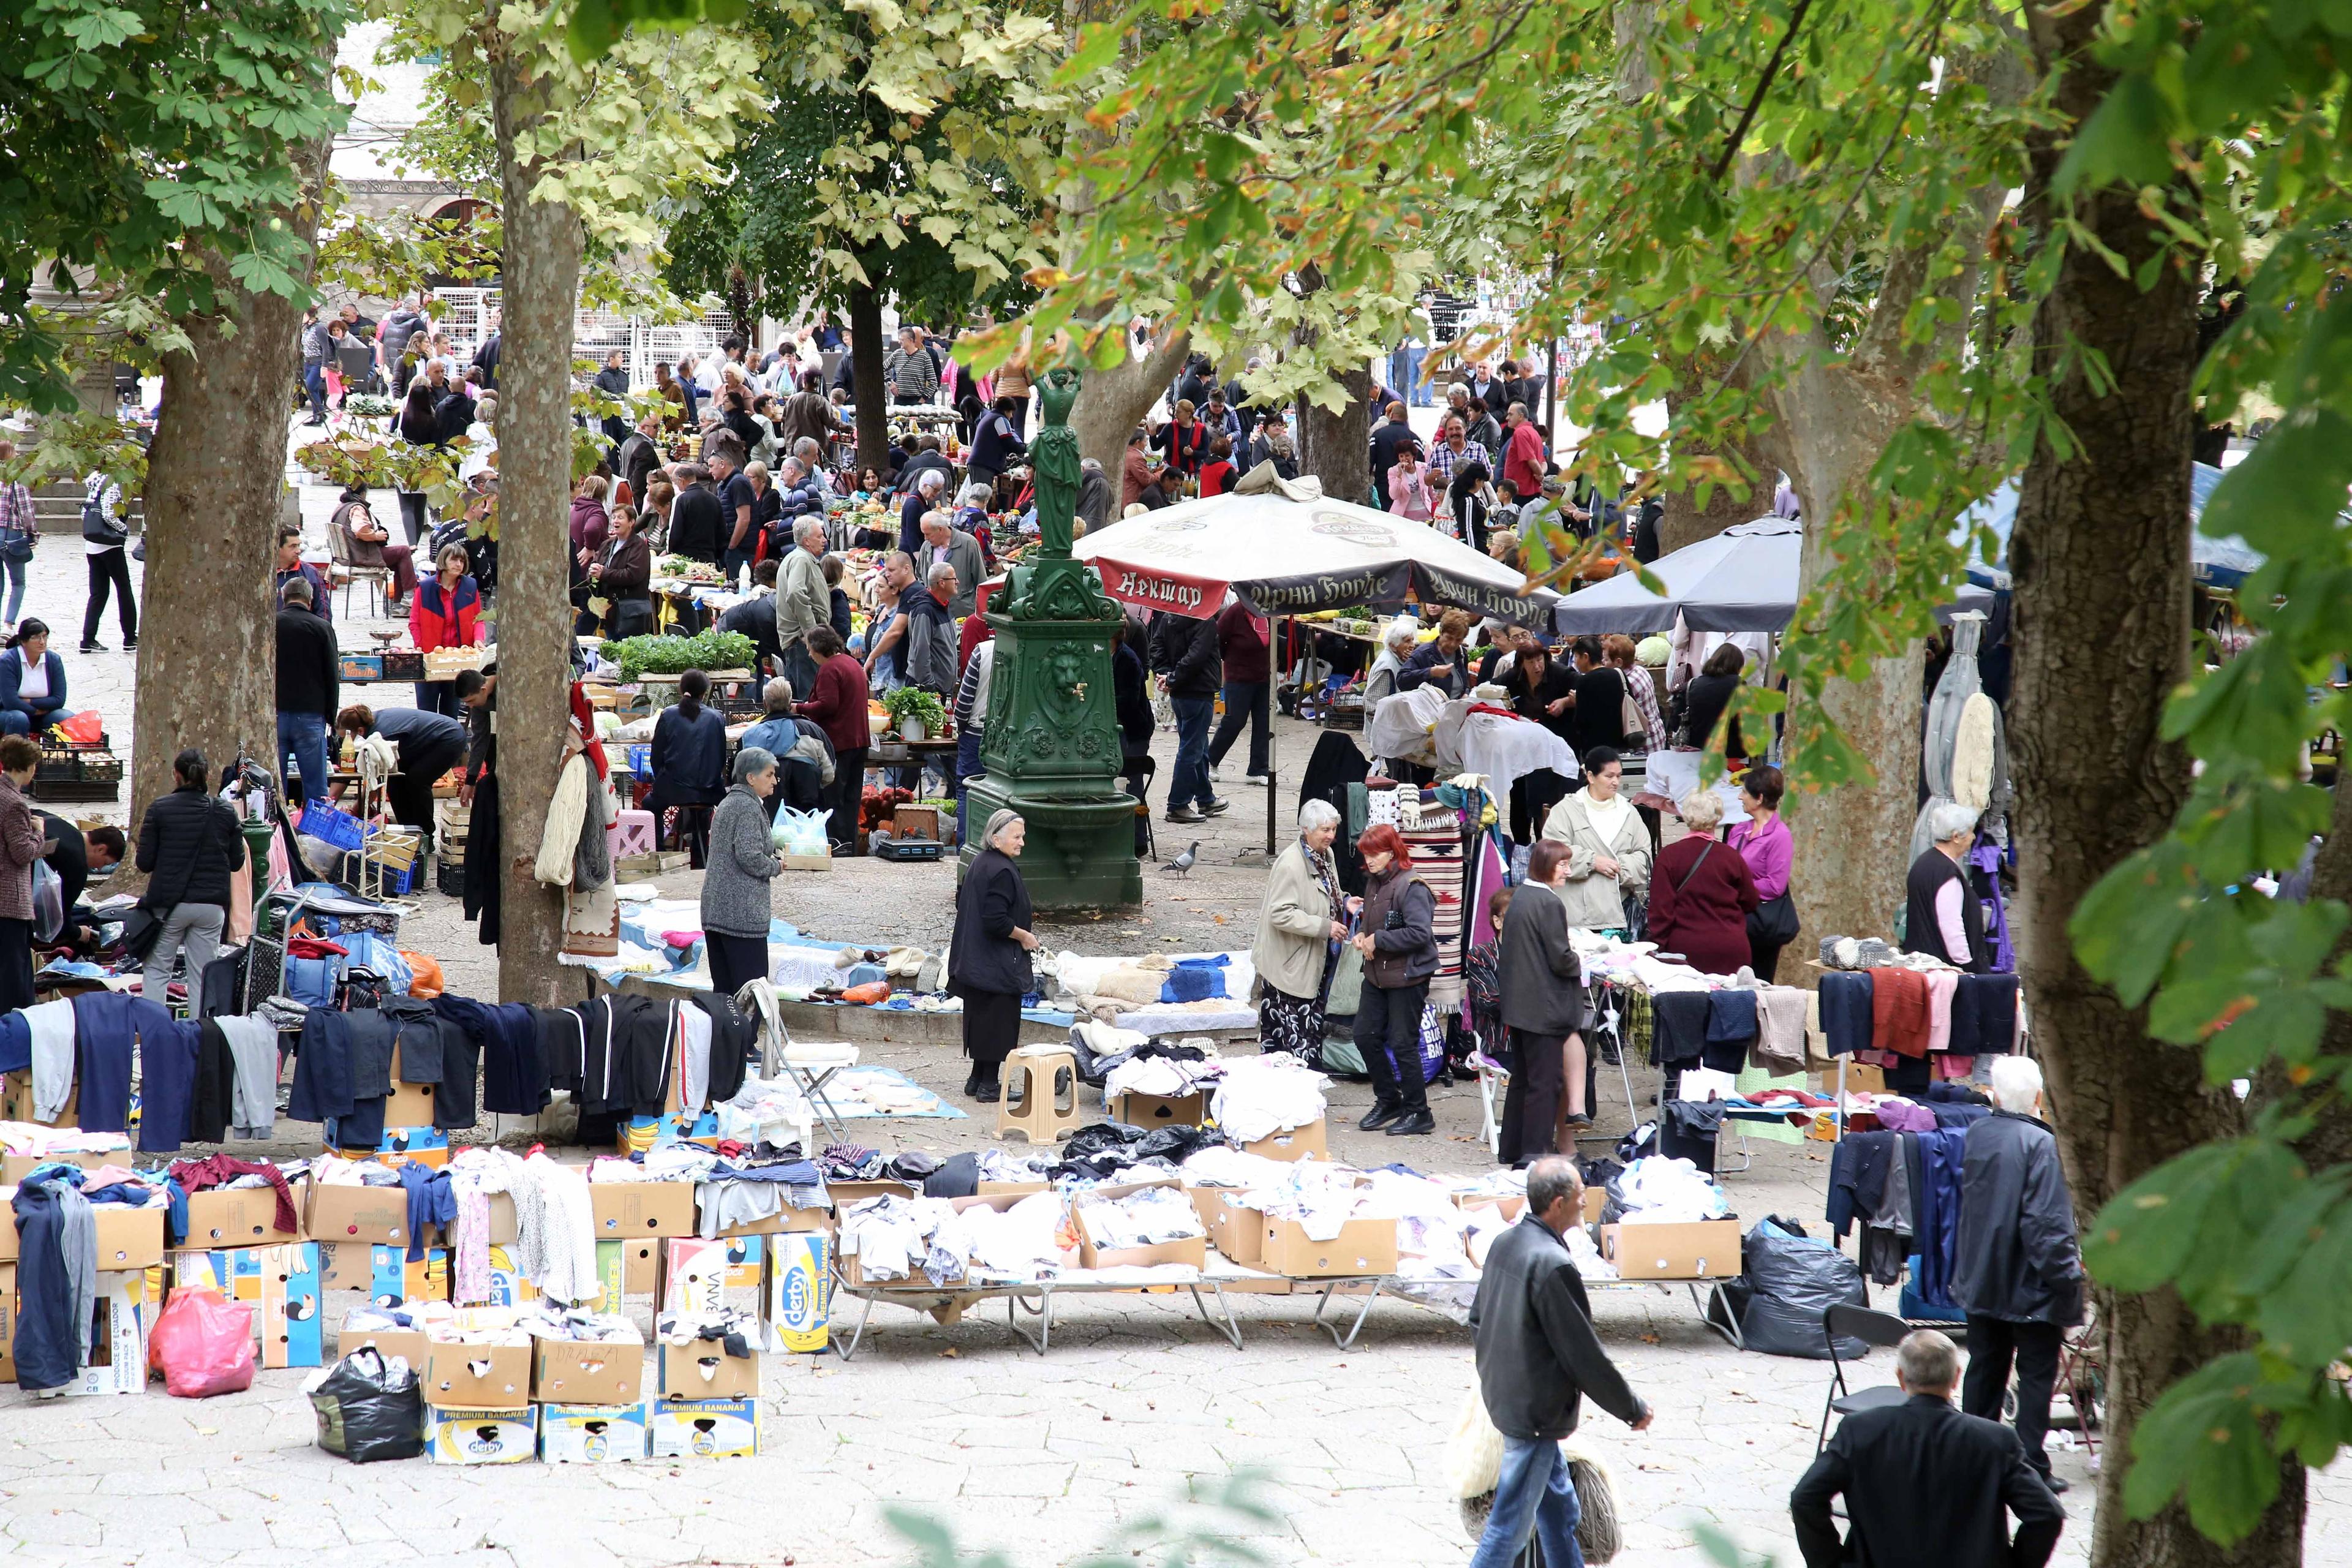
(15, 965)
(735, 961)
(694, 833)
(1388, 1035)
(409, 792)
(111, 570)
(1532, 798)
(1245, 703)
(992, 1027)
(412, 517)
(1531, 1106)
(1138, 785)
(1764, 958)
(844, 797)
(1993, 1342)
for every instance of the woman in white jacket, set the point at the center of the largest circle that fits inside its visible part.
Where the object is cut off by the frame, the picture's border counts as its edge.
(1608, 846)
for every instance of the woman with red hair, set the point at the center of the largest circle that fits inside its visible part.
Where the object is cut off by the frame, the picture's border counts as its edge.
(1396, 934)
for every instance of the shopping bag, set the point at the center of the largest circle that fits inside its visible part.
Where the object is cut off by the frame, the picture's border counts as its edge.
(49, 902)
(367, 1409)
(86, 727)
(203, 1345)
(800, 832)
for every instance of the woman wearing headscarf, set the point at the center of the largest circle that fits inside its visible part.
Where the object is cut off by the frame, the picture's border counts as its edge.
(1702, 892)
(689, 763)
(744, 862)
(988, 964)
(1543, 1007)
(1299, 927)
(1608, 848)
(1397, 937)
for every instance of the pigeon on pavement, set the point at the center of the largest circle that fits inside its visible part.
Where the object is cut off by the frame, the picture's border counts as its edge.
(1183, 862)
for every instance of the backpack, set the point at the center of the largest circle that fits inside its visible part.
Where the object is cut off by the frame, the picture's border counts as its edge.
(96, 526)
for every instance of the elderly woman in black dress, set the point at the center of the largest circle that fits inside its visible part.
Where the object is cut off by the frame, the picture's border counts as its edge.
(989, 968)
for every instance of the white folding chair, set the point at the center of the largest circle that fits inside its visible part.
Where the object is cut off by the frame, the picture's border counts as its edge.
(1493, 1082)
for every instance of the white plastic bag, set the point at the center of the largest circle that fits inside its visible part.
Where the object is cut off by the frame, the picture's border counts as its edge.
(800, 832)
(49, 902)
(1474, 1455)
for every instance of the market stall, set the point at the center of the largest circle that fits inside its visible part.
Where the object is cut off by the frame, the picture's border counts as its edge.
(1283, 548)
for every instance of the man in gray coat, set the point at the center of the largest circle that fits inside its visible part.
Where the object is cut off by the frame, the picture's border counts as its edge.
(943, 540)
(2017, 1269)
(1538, 1358)
(803, 602)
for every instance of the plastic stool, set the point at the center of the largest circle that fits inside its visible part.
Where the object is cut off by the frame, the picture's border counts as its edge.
(632, 833)
(1040, 1117)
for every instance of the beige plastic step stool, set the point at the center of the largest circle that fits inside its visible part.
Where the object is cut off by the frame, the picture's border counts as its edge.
(1037, 1069)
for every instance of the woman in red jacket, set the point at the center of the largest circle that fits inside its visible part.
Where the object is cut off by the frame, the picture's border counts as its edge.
(1701, 892)
(448, 605)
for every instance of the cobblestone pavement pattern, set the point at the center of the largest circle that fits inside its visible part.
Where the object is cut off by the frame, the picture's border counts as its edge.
(1042, 1458)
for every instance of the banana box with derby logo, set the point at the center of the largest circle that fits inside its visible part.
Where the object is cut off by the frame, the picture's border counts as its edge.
(588, 1381)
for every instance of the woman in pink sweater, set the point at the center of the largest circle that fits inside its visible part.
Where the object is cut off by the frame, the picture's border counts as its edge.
(1764, 843)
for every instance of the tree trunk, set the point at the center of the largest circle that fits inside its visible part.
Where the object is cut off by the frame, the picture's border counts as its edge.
(1851, 842)
(1112, 403)
(865, 379)
(1337, 448)
(2100, 562)
(208, 672)
(541, 280)
(1686, 522)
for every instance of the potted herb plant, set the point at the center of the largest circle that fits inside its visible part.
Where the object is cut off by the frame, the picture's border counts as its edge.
(915, 713)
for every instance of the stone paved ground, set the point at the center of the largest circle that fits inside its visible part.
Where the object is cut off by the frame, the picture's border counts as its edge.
(1042, 1458)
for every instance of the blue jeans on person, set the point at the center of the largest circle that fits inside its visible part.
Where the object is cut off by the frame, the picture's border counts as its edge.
(314, 381)
(305, 736)
(15, 570)
(1190, 786)
(1532, 1497)
(732, 562)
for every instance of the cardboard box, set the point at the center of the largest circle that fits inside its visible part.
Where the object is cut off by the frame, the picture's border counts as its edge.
(1191, 1249)
(507, 1287)
(807, 862)
(7, 1323)
(1160, 1111)
(844, 1194)
(280, 1283)
(120, 1316)
(342, 1214)
(703, 1429)
(241, 1217)
(409, 1344)
(1308, 1142)
(427, 1146)
(799, 1291)
(1237, 1233)
(129, 1240)
(1011, 1189)
(15, 1168)
(785, 1221)
(1364, 1247)
(462, 1376)
(481, 1437)
(626, 1268)
(642, 1208)
(578, 1372)
(1703, 1249)
(704, 1371)
(592, 1433)
(701, 1277)
(16, 1103)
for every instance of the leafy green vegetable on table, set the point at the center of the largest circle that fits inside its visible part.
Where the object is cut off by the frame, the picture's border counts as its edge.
(676, 656)
(914, 703)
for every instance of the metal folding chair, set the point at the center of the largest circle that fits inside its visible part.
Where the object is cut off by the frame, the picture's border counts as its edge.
(1872, 1328)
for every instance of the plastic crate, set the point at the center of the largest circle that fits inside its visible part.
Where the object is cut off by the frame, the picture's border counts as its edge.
(449, 877)
(361, 666)
(403, 664)
(324, 823)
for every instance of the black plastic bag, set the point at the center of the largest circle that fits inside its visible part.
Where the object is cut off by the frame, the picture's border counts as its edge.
(1786, 1283)
(1099, 1138)
(367, 1411)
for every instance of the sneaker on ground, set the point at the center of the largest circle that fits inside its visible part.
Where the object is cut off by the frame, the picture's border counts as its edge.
(93, 648)
(1185, 814)
(1217, 807)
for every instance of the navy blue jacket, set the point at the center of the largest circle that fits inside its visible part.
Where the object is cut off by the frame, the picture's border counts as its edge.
(689, 758)
(37, 708)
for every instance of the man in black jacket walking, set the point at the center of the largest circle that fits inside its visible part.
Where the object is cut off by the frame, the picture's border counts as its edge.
(1537, 1357)
(309, 684)
(1196, 668)
(2017, 1269)
(1925, 1486)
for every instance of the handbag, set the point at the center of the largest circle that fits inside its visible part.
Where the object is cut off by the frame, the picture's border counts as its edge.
(96, 526)
(1774, 923)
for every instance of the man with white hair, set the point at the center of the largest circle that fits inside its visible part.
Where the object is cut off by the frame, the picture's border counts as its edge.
(943, 542)
(2018, 1261)
(929, 485)
(804, 600)
(929, 657)
(1941, 915)
(1925, 1486)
